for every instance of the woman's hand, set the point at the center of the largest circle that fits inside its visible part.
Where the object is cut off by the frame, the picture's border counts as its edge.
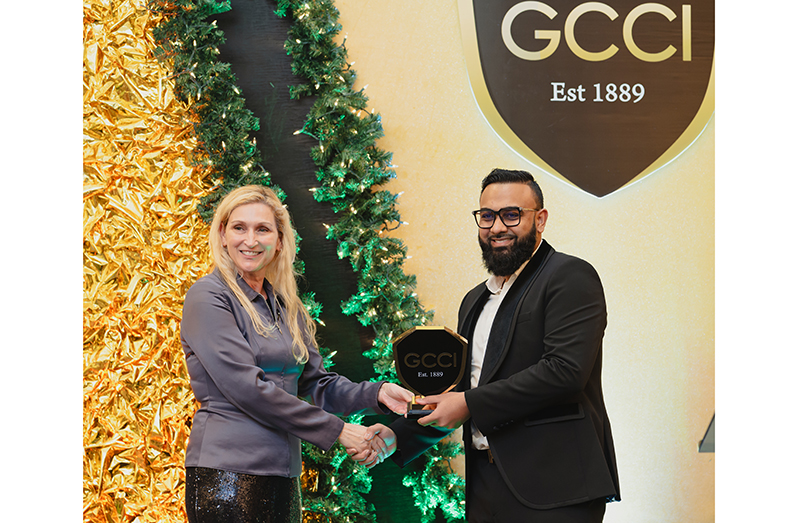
(394, 397)
(353, 438)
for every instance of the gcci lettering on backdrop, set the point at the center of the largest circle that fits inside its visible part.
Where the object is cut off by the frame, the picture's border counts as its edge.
(599, 93)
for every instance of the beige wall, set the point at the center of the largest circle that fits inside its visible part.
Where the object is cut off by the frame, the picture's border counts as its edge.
(652, 243)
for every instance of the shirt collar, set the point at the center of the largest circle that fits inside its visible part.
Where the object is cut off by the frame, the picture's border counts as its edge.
(249, 292)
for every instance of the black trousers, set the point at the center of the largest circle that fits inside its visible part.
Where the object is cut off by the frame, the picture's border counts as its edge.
(218, 496)
(490, 501)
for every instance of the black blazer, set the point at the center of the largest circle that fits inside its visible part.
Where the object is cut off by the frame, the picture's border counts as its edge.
(539, 400)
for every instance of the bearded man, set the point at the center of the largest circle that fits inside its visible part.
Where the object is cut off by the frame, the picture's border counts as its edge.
(537, 437)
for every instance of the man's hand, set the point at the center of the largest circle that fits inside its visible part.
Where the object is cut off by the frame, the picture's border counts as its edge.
(394, 397)
(450, 412)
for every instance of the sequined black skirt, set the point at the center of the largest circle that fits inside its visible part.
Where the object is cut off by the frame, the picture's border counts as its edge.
(218, 496)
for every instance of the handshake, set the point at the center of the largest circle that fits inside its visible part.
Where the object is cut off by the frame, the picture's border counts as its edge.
(370, 446)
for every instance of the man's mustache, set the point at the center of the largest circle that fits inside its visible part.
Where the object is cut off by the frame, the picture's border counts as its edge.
(502, 236)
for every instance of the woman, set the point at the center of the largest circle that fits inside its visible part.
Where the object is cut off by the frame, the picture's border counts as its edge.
(251, 354)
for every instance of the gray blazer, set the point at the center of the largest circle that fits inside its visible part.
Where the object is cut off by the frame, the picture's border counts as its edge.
(251, 417)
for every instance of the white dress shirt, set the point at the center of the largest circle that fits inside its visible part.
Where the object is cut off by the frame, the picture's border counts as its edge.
(498, 288)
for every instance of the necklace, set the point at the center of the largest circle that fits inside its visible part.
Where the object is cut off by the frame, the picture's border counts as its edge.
(275, 317)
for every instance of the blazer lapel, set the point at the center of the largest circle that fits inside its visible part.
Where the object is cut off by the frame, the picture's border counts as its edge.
(500, 333)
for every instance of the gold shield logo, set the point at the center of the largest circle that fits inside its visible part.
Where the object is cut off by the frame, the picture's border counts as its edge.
(600, 94)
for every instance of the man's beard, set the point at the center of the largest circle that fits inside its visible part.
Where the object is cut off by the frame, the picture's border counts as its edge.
(506, 260)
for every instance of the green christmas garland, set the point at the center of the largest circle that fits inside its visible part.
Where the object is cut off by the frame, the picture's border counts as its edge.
(350, 167)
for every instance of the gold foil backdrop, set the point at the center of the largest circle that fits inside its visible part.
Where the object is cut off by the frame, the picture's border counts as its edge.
(143, 247)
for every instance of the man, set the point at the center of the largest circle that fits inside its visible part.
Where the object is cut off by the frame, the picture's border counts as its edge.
(537, 437)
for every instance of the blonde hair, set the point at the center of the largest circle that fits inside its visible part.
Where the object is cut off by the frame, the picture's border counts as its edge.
(280, 271)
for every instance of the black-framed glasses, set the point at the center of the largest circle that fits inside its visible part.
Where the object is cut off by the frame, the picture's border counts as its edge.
(510, 216)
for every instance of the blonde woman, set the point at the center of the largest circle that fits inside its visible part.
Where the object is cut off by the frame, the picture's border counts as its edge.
(251, 355)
